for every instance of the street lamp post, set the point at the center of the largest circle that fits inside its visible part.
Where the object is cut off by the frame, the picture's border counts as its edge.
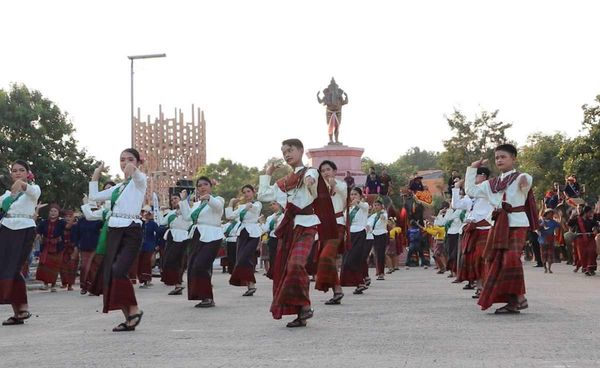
(132, 58)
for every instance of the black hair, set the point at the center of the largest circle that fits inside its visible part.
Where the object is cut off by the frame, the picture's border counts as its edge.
(249, 187)
(134, 152)
(445, 204)
(294, 142)
(112, 184)
(378, 201)
(507, 148)
(204, 178)
(358, 190)
(330, 163)
(484, 171)
(22, 163)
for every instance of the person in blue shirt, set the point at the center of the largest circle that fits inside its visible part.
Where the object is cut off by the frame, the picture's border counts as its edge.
(87, 233)
(415, 238)
(150, 229)
(547, 236)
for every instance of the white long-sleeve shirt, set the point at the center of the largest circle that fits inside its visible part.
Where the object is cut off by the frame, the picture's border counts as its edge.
(479, 209)
(301, 197)
(208, 223)
(515, 196)
(250, 222)
(179, 228)
(129, 202)
(232, 238)
(23, 206)
(266, 227)
(380, 227)
(339, 200)
(452, 217)
(359, 222)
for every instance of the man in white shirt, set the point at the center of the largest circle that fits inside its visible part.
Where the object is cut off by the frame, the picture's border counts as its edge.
(474, 233)
(305, 210)
(514, 214)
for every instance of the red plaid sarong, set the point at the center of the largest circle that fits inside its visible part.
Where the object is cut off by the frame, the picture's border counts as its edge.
(327, 271)
(49, 267)
(505, 277)
(586, 251)
(290, 279)
(94, 276)
(547, 249)
(144, 268)
(68, 268)
(473, 245)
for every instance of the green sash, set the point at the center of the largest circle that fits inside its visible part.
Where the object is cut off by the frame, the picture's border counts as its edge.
(462, 215)
(197, 211)
(171, 218)
(273, 222)
(353, 213)
(101, 247)
(117, 193)
(376, 219)
(8, 201)
(230, 228)
(243, 214)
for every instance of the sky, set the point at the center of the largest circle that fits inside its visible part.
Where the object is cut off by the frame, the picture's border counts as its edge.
(255, 67)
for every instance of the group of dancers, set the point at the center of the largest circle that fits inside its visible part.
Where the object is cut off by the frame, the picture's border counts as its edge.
(316, 221)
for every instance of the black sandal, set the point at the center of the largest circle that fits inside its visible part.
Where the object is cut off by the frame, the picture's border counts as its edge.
(177, 291)
(296, 323)
(506, 310)
(208, 303)
(250, 292)
(337, 299)
(306, 314)
(12, 321)
(523, 305)
(123, 327)
(137, 317)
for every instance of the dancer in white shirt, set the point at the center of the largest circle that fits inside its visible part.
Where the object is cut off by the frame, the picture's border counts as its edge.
(515, 213)
(474, 233)
(352, 273)
(248, 237)
(327, 272)
(124, 237)
(377, 225)
(17, 231)
(271, 224)
(206, 238)
(177, 237)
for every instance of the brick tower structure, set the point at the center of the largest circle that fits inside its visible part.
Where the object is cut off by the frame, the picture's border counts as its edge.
(172, 148)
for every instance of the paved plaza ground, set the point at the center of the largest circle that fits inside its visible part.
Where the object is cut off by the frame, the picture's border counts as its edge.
(415, 318)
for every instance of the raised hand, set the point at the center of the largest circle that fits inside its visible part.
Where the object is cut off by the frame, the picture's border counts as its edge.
(98, 171)
(129, 170)
(477, 164)
(309, 181)
(183, 195)
(18, 186)
(271, 168)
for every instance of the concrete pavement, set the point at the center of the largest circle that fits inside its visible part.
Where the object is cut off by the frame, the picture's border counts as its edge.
(415, 318)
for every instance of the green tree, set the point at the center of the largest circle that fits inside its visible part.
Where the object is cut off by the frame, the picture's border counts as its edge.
(33, 128)
(472, 139)
(582, 157)
(230, 177)
(542, 157)
(419, 159)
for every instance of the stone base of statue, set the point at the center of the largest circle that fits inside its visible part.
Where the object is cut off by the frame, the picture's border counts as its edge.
(346, 158)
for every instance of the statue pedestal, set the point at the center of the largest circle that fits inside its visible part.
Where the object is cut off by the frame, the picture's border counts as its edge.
(346, 158)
